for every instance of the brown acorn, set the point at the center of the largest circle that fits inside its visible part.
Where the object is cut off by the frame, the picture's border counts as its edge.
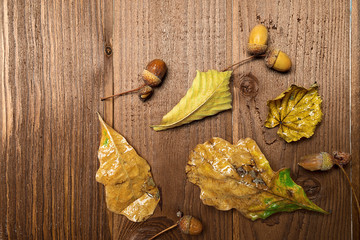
(320, 161)
(187, 224)
(152, 75)
(154, 72)
(323, 161)
(190, 225)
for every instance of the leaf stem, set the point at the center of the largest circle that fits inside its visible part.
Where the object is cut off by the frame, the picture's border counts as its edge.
(352, 188)
(165, 230)
(243, 61)
(122, 93)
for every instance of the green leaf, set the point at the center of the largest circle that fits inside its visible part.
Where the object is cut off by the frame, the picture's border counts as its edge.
(239, 176)
(292, 196)
(208, 95)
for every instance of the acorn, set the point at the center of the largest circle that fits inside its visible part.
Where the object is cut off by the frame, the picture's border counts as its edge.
(277, 60)
(258, 39)
(145, 92)
(324, 161)
(152, 75)
(187, 224)
(257, 46)
(190, 225)
(320, 161)
(154, 72)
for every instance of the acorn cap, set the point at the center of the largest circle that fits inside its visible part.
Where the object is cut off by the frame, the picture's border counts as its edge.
(341, 158)
(145, 92)
(327, 162)
(271, 57)
(150, 79)
(256, 49)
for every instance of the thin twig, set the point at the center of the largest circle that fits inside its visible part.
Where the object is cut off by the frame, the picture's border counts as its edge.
(242, 61)
(352, 188)
(165, 230)
(118, 94)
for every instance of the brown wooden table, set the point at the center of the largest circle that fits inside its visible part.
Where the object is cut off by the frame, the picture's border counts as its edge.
(54, 70)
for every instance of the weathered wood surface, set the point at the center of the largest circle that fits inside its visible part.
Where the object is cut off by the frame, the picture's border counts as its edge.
(54, 69)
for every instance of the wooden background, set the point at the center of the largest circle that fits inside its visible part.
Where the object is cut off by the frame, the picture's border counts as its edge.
(54, 70)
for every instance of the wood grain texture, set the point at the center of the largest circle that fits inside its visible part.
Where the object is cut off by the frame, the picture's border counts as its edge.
(52, 69)
(355, 108)
(315, 35)
(55, 66)
(187, 37)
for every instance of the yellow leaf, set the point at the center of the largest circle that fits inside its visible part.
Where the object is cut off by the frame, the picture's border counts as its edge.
(239, 176)
(208, 95)
(297, 111)
(129, 186)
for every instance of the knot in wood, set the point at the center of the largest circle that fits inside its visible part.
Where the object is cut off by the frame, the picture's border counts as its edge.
(108, 51)
(272, 221)
(249, 85)
(311, 187)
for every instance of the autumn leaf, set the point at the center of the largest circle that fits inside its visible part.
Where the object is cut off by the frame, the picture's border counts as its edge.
(239, 176)
(297, 111)
(129, 187)
(208, 95)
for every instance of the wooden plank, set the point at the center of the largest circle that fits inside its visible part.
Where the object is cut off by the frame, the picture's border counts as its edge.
(187, 36)
(4, 123)
(108, 88)
(355, 110)
(316, 37)
(51, 80)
